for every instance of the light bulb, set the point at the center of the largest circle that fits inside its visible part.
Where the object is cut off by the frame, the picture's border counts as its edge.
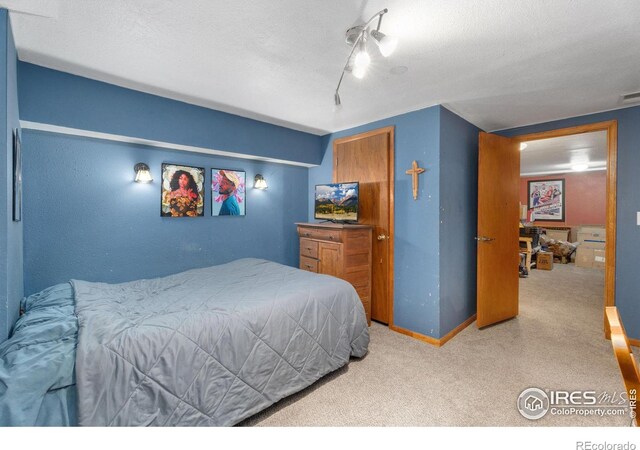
(260, 182)
(362, 59)
(359, 71)
(386, 44)
(143, 175)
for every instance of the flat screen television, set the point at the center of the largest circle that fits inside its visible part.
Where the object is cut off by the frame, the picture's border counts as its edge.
(337, 202)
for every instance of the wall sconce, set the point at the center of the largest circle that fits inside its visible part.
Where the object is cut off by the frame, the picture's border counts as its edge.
(260, 182)
(143, 175)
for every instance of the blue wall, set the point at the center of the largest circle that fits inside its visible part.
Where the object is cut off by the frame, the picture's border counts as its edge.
(458, 219)
(85, 218)
(628, 233)
(417, 137)
(10, 232)
(58, 98)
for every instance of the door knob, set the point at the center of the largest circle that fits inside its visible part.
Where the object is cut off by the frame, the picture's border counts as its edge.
(382, 237)
(484, 239)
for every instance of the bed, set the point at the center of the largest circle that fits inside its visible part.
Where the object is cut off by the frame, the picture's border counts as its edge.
(206, 347)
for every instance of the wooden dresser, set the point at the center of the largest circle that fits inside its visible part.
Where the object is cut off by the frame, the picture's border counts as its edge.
(343, 251)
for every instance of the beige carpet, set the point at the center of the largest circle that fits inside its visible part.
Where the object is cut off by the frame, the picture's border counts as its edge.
(555, 343)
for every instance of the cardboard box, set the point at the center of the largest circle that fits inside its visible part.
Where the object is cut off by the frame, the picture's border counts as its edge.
(544, 261)
(584, 257)
(574, 234)
(558, 235)
(592, 244)
(597, 234)
(599, 230)
(590, 257)
(598, 259)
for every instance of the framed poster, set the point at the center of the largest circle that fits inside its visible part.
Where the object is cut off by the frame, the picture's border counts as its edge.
(17, 176)
(546, 200)
(228, 192)
(182, 191)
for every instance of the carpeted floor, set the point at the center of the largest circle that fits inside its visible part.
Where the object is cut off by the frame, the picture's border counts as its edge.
(475, 379)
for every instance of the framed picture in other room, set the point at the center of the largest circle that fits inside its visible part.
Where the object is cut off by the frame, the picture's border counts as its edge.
(17, 176)
(182, 191)
(228, 189)
(546, 200)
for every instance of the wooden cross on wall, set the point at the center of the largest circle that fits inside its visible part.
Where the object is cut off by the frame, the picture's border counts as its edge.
(414, 172)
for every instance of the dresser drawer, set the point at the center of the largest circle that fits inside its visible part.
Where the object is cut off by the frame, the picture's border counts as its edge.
(320, 234)
(308, 248)
(309, 264)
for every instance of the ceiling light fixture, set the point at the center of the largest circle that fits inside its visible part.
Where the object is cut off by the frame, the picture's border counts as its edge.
(579, 167)
(357, 39)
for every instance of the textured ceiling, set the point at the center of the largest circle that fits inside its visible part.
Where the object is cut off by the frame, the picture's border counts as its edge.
(499, 64)
(557, 155)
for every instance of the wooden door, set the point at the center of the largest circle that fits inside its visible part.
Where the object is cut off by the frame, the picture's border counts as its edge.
(498, 229)
(368, 159)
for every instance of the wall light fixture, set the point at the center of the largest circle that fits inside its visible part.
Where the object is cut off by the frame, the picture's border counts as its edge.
(260, 182)
(143, 175)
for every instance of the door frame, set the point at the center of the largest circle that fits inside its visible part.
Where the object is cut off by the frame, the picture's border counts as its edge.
(611, 127)
(390, 130)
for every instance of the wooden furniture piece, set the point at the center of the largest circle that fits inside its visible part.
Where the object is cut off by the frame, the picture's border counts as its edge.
(343, 251)
(624, 355)
(527, 250)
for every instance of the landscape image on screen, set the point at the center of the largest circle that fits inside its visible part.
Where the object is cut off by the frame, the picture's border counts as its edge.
(337, 202)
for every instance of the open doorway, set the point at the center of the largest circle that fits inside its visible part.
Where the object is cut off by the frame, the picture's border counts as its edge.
(563, 184)
(563, 216)
(567, 196)
(498, 216)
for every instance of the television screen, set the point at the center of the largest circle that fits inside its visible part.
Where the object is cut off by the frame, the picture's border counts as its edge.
(337, 202)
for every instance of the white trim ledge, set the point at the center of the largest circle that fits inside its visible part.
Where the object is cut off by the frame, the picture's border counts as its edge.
(558, 172)
(25, 124)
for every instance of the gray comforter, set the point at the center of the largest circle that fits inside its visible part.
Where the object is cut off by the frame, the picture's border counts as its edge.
(210, 346)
